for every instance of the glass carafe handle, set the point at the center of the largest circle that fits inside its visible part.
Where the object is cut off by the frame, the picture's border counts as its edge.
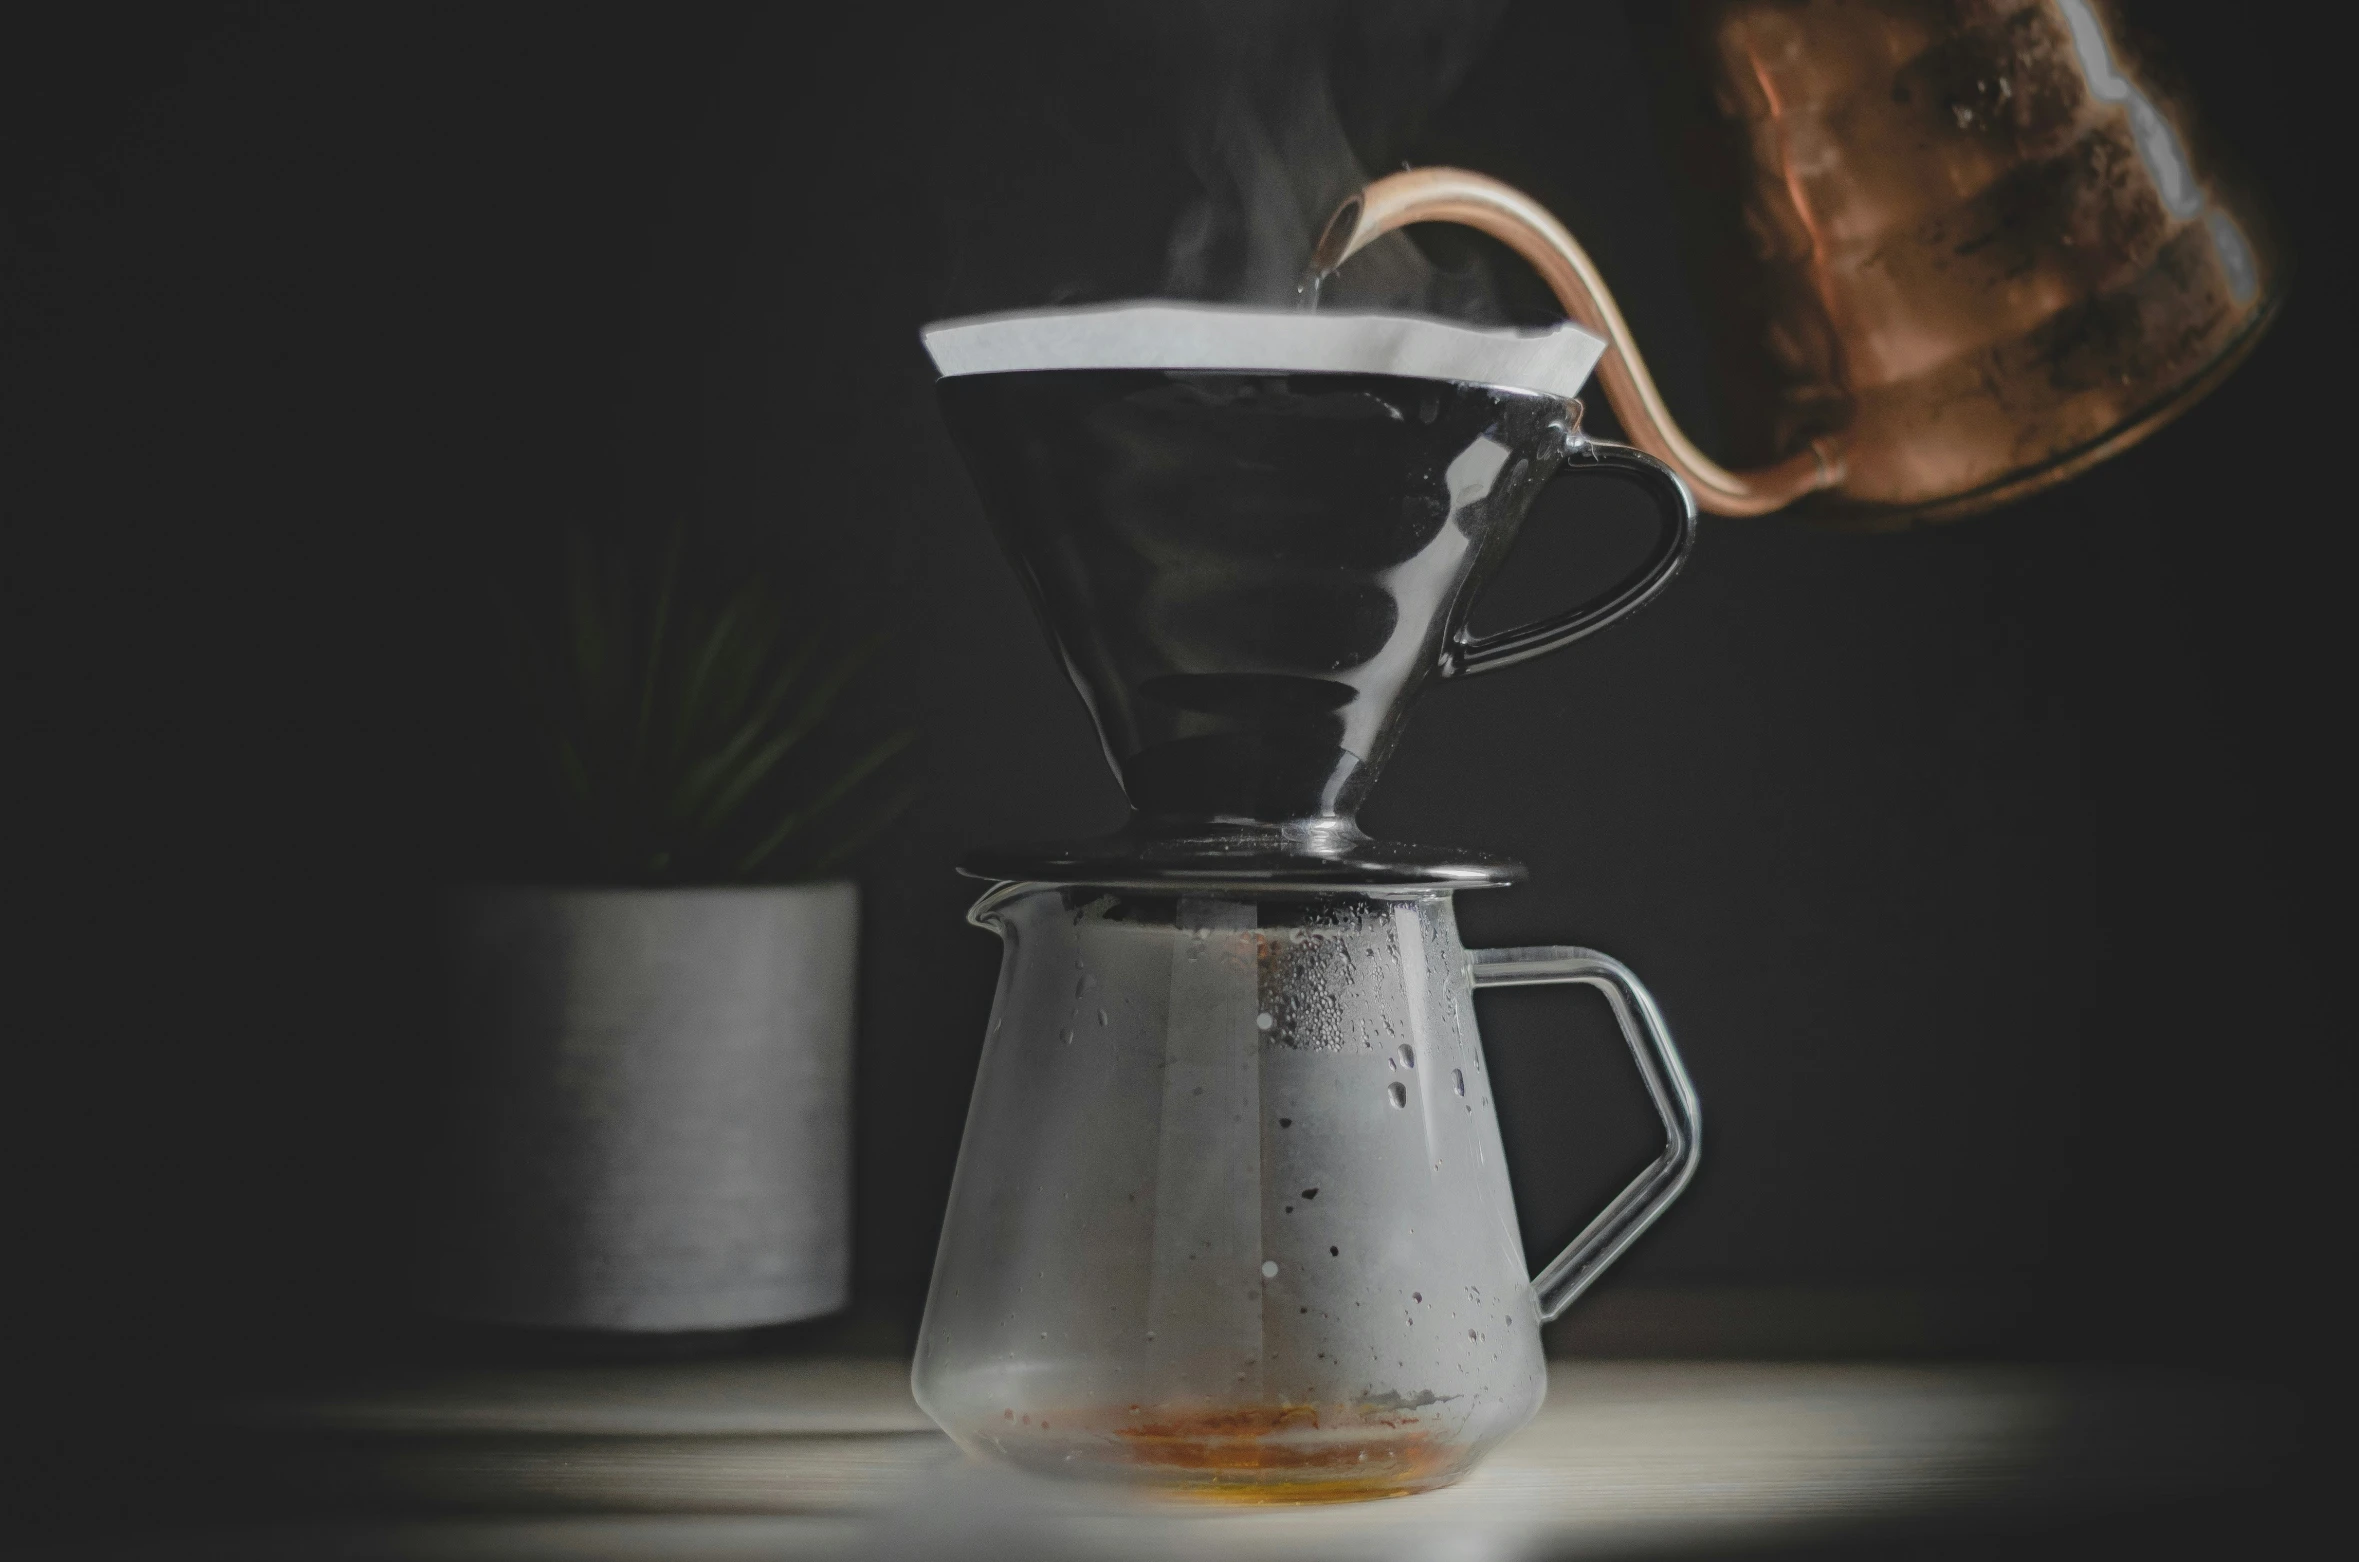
(1652, 1190)
(1675, 519)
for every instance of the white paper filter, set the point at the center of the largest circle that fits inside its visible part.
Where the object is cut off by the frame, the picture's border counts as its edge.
(1553, 362)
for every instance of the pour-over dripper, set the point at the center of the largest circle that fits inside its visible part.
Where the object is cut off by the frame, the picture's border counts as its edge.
(1251, 554)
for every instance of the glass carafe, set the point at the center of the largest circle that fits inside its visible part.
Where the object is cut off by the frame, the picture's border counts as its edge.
(1231, 1214)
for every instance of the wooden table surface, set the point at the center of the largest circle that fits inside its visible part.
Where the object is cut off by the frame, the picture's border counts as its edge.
(794, 1458)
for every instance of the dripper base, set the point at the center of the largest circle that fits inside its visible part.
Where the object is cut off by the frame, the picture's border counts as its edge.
(1308, 856)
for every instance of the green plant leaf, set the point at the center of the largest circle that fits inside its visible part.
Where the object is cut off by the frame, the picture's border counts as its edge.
(751, 764)
(812, 711)
(662, 717)
(711, 652)
(859, 770)
(651, 668)
(696, 805)
(858, 837)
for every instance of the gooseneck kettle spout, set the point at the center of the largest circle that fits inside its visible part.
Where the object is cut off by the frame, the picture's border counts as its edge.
(1526, 227)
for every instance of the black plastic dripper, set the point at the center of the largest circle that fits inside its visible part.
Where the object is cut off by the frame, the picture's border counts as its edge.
(1249, 577)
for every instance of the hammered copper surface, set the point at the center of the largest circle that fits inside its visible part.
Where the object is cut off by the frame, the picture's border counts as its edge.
(1991, 250)
(1989, 247)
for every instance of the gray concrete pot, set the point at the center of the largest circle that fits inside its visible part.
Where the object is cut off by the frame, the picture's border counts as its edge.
(652, 1108)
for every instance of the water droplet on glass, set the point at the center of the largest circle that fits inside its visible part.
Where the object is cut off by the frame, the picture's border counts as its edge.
(1102, 1020)
(1458, 1080)
(1264, 1020)
(1399, 1093)
(1408, 1056)
(1066, 1035)
(1269, 1268)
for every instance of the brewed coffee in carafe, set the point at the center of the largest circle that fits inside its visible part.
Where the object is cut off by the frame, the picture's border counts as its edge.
(1231, 1214)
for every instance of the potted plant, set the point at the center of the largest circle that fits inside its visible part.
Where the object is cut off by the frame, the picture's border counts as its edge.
(650, 1087)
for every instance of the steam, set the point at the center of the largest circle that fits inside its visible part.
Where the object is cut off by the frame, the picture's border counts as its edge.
(1269, 88)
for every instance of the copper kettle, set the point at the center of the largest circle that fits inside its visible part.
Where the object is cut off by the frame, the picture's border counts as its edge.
(1990, 254)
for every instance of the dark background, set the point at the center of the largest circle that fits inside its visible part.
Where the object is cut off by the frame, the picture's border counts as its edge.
(1989, 874)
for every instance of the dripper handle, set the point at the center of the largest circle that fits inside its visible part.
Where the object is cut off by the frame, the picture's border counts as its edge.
(1675, 511)
(1635, 1208)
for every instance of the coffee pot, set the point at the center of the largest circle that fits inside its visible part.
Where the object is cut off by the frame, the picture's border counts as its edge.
(1231, 1214)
